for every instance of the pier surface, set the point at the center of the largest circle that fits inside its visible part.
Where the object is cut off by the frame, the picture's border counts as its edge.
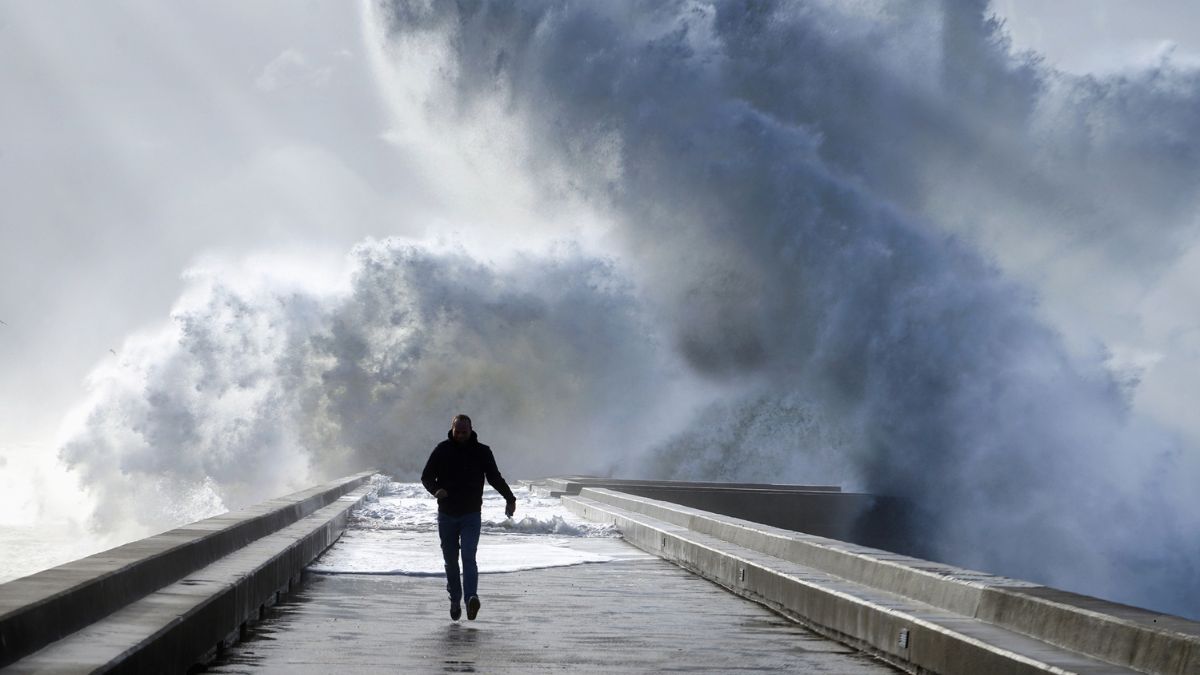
(683, 589)
(636, 614)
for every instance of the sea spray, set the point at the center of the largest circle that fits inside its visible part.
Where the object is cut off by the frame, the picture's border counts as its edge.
(263, 387)
(803, 193)
(816, 237)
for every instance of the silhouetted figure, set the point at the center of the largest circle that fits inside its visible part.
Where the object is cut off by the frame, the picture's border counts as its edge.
(454, 474)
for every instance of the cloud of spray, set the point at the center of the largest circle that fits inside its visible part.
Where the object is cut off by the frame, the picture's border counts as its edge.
(267, 381)
(795, 202)
(801, 192)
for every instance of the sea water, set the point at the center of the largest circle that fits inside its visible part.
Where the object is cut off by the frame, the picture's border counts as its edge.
(394, 531)
(26, 549)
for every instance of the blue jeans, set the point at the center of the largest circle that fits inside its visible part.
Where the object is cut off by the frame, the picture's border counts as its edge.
(460, 532)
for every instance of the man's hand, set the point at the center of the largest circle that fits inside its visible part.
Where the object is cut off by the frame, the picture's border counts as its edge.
(441, 493)
(510, 507)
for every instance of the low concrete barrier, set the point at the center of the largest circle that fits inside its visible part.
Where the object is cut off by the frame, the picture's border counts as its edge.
(571, 485)
(73, 613)
(861, 518)
(823, 510)
(916, 613)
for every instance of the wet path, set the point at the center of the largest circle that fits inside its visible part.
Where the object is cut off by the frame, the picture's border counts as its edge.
(634, 615)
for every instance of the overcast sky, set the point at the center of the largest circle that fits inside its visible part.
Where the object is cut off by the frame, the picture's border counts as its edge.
(1087, 36)
(136, 137)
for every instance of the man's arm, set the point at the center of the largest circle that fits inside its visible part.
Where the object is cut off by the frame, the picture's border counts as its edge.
(429, 477)
(492, 473)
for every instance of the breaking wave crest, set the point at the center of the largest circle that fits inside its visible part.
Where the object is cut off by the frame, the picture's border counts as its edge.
(857, 243)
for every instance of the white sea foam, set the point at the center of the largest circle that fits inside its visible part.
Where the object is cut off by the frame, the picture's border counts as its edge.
(556, 524)
(402, 552)
(395, 532)
(409, 507)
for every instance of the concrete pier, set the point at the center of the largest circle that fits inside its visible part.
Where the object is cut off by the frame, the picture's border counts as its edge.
(170, 602)
(823, 510)
(638, 614)
(920, 615)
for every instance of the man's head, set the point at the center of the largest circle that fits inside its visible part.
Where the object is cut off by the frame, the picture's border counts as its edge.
(460, 428)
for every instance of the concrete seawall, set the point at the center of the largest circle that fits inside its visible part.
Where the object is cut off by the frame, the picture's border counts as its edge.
(571, 485)
(920, 615)
(160, 603)
(823, 510)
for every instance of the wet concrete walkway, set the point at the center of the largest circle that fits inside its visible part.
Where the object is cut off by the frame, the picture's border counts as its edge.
(634, 615)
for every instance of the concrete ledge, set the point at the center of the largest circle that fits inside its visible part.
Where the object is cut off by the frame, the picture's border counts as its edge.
(862, 518)
(1146, 640)
(177, 626)
(43, 607)
(823, 510)
(951, 588)
(916, 637)
(1124, 636)
(573, 484)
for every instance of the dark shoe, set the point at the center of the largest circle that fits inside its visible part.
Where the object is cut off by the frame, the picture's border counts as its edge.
(472, 607)
(455, 611)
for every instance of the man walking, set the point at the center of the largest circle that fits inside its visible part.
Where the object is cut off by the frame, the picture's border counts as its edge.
(454, 474)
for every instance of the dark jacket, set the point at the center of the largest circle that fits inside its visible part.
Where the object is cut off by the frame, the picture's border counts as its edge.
(460, 470)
